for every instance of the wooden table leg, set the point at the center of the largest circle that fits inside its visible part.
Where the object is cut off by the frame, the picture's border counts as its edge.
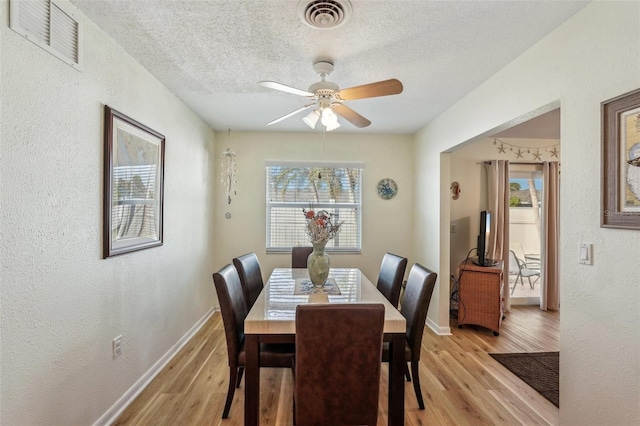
(251, 380)
(396, 380)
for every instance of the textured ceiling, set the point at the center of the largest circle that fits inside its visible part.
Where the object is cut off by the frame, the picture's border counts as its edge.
(211, 54)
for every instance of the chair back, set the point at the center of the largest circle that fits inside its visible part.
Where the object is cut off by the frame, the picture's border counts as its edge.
(337, 366)
(514, 263)
(233, 308)
(299, 256)
(415, 304)
(248, 268)
(390, 277)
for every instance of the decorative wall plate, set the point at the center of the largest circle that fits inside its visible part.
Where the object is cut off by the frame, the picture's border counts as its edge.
(387, 188)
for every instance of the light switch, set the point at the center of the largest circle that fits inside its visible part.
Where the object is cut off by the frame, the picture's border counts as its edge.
(586, 254)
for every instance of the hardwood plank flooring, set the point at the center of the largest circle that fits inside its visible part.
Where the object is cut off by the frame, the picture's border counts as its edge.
(461, 383)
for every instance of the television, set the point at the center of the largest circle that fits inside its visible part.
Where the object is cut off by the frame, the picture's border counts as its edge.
(483, 240)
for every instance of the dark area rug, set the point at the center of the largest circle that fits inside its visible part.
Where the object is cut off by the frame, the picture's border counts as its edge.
(537, 369)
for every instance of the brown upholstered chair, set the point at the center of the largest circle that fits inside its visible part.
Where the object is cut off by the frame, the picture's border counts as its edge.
(234, 311)
(248, 268)
(414, 306)
(337, 367)
(299, 256)
(390, 277)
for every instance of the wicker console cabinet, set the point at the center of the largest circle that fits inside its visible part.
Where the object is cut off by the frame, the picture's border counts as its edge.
(480, 295)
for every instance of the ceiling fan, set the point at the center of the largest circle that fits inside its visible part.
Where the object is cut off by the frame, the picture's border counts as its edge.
(328, 98)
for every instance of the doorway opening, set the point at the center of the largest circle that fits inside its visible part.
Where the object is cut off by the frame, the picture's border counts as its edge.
(525, 224)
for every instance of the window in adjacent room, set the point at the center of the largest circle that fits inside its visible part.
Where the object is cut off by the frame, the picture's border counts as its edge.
(329, 186)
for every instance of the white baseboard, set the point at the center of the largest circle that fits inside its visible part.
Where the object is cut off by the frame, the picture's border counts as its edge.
(440, 331)
(116, 409)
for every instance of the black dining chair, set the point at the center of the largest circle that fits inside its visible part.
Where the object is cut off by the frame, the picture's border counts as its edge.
(299, 256)
(390, 277)
(234, 311)
(337, 365)
(248, 268)
(414, 307)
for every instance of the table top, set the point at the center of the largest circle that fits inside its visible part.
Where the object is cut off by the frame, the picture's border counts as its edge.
(274, 311)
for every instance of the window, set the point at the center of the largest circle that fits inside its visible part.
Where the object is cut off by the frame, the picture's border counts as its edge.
(332, 187)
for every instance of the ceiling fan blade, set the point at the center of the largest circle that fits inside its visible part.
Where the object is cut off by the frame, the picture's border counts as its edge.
(350, 115)
(285, 88)
(277, 120)
(372, 90)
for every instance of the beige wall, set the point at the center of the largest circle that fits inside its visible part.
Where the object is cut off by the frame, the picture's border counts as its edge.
(62, 304)
(387, 224)
(593, 57)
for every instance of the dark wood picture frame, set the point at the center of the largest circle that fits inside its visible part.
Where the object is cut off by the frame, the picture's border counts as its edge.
(133, 185)
(621, 161)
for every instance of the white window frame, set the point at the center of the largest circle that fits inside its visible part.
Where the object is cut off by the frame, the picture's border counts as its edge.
(305, 204)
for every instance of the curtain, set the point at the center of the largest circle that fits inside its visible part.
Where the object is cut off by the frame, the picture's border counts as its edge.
(550, 288)
(498, 205)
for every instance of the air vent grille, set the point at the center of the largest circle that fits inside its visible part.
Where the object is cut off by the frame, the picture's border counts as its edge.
(48, 25)
(64, 34)
(324, 14)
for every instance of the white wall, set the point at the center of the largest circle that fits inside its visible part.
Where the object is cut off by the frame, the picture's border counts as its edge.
(62, 304)
(591, 58)
(387, 224)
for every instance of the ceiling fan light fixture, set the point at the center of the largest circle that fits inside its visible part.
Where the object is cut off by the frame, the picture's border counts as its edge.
(332, 126)
(329, 119)
(328, 116)
(311, 119)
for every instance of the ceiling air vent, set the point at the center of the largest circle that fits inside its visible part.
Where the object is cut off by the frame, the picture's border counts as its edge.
(324, 14)
(50, 26)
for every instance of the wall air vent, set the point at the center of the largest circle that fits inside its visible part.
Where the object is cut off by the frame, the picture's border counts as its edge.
(324, 14)
(49, 25)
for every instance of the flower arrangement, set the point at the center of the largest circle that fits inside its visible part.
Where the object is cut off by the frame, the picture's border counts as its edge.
(320, 226)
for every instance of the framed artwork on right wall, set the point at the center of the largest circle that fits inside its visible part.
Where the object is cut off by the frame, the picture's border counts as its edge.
(621, 161)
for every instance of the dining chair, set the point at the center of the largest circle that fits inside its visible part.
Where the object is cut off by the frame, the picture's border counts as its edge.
(234, 311)
(299, 256)
(414, 307)
(390, 277)
(337, 365)
(248, 268)
(521, 269)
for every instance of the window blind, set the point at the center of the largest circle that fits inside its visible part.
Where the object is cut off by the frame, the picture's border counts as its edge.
(290, 189)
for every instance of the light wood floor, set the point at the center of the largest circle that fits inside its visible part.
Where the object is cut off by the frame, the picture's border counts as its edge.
(461, 383)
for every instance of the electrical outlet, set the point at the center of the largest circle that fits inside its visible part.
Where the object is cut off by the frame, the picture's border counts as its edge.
(116, 347)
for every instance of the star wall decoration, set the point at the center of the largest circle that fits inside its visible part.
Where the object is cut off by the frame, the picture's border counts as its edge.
(536, 151)
(536, 155)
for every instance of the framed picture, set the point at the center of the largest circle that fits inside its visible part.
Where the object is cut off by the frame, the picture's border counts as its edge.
(621, 161)
(133, 185)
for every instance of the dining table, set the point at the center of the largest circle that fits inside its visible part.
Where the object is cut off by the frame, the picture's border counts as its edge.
(272, 319)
